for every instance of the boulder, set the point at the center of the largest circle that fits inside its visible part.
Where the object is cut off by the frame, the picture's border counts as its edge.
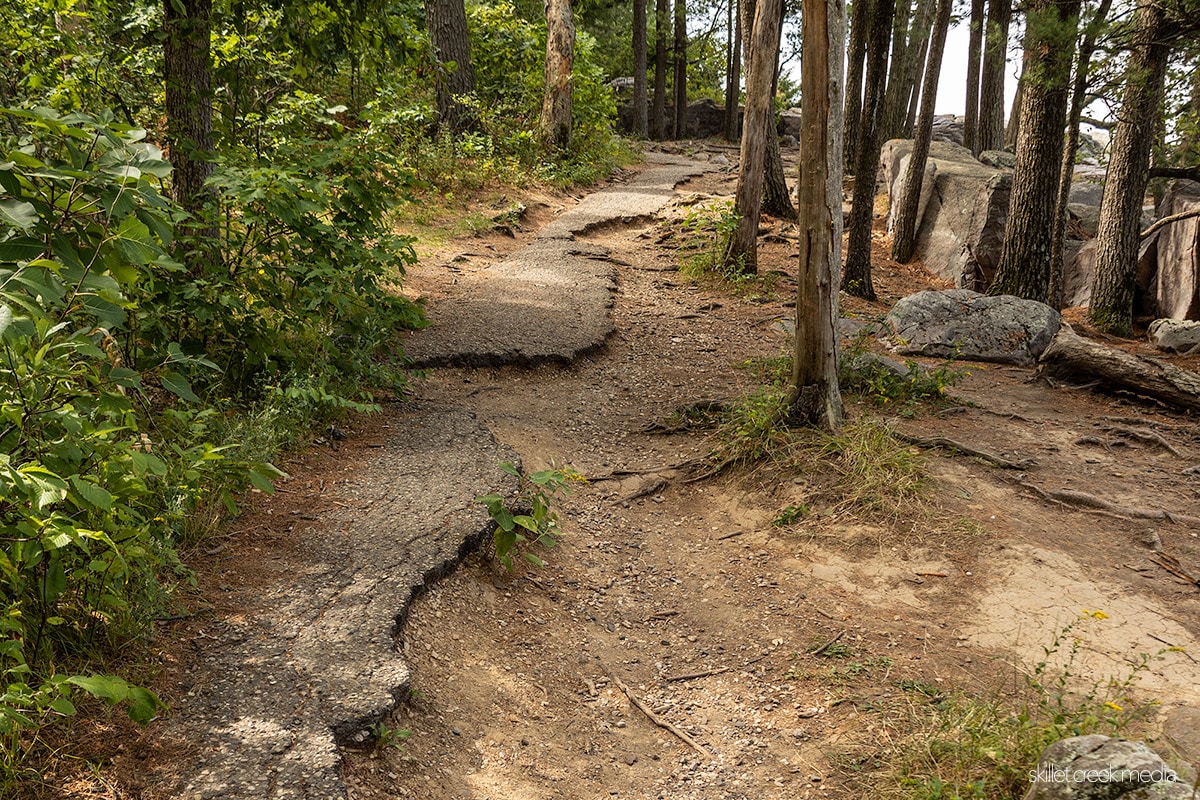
(948, 128)
(1087, 185)
(1079, 261)
(1175, 335)
(959, 323)
(704, 119)
(1179, 254)
(962, 227)
(928, 185)
(1099, 768)
(789, 123)
(998, 158)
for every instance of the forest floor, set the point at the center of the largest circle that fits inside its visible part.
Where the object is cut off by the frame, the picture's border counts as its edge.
(809, 657)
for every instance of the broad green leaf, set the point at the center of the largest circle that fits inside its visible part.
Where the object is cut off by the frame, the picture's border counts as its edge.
(178, 385)
(56, 580)
(261, 482)
(93, 494)
(63, 706)
(106, 687)
(18, 214)
(22, 248)
(143, 705)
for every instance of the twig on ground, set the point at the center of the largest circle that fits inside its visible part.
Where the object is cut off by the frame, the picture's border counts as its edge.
(649, 712)
(691, 676)
(1171, 564)
(1145, 436)
(651, 488)
(818, 609)
(729, 536)
(829, 644)
(1174, 647)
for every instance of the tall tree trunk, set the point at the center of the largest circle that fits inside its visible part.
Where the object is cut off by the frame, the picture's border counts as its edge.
(903, 16)
(906, 217)
(658, 117)
(856, 277)
(555, 125)
(777, 200)
(187, 73)
(446, 21)
(995, 59)
(1025, 260)
(733, 72)
(1066, 171)
(914, 102)
(1013, 129)
(641, 119)
(814, 396)
(907, 74)
(860, 13)
(974, 55)
(743, 244)
(1111, 307)
(681, 43)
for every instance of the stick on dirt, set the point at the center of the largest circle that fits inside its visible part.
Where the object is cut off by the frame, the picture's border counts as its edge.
(650, 715)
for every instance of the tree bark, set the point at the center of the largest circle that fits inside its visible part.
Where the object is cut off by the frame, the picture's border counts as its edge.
(759, 116)
(446, 21)
(1066, 171)
(658, 117)
(1111, 307)
(909, 73)
(902, 17)
(733, 72)
(1013, 129)
(974, 55)
(856, 278)
(1072, 356)
(906, 217)
(814, 396)
(857, 54)
(187, 73)
(681, 43)
(641, 118)
(1025, 260)
(777, 200)
(555, 124)
(995, 55)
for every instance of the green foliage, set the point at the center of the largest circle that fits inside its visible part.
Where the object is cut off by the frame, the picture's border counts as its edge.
(385, 736)
(789, 514)
(708, 227)
(527, 517)
(959, 745)
(868, 378)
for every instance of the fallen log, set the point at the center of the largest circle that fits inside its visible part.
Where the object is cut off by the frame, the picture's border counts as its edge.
(1072, 356)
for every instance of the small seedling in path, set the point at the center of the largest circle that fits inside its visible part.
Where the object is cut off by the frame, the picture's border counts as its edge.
(527, 517)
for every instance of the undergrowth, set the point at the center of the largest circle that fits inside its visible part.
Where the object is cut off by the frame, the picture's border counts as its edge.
(958, 745)
(703, 243)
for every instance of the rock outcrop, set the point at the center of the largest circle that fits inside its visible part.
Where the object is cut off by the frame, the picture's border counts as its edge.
(1099, 768)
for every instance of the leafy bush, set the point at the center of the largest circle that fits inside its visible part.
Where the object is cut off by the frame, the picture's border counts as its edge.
(528, 517)
(859, 373)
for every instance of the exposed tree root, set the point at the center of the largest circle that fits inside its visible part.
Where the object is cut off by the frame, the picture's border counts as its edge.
(958, 447)
(1096, 505)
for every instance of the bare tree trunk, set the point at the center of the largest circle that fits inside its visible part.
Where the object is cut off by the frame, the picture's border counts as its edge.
(641, 119)
(814, 396)
(1066, 171)
(903, 15)
(658, 117)
(733, 72)
(995, 55)
(777, 200)
(1013, 130)
(1111, 307)
(974, 55)
(555, 125)
(187, 73)
(743, 245)
(860, 13)
(914, 102)
(906, 216)
(446, 21)
(856, 277)
(681, 43)
(908, 74)
(1025, 259)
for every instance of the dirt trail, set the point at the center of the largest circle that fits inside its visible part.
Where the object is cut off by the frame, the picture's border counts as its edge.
(686, 597)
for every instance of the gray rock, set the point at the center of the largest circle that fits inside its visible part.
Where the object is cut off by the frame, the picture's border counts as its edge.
(1099, 768)
(789, 123)
(1175, 335)
(874, 362)
(1087, 216)
(959, 323)
(1181, 733)
(928, 187)
(961, 230)
(1079, 261)
(1087, 185)
(1179, 254)
(948, 128)
(998, 158)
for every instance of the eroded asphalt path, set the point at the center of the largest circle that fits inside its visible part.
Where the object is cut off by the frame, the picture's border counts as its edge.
(277, 692)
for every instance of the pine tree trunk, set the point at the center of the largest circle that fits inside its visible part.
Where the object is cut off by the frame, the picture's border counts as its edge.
(906, 216)
(681, 43)
(1066, 172)
(896, 70)
(814, 396)
(446, 21)
(974, 55)
(777, 200)
(908, 75)
(555, 125)
(1025, 259)
(187, 73)
(743, 244)
(641, 119)
(1013, 129)
(857, 52)
(856, 277)
(733, 72)
(658, 117)
(1111, 308)
(995, 56)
